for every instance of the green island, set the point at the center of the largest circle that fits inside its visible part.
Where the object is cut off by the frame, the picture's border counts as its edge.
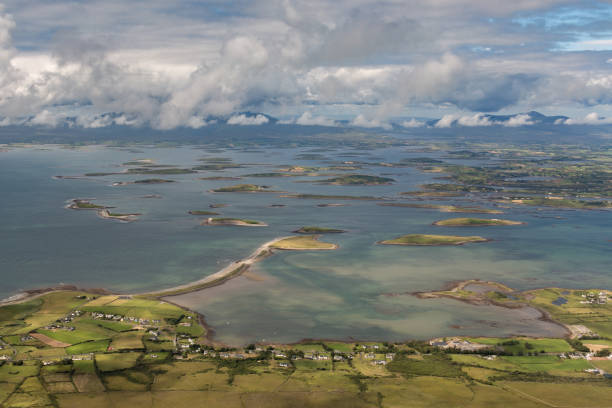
(357, 180)
(430, 193)
(432, 240)
(233, 221)
(302, 243)
(242, 188)
(474, 222)
(216, 166)
(216, 178)
(329, 197)
(559, 202)
(445, 208)
(153, 181)
(202, 212)
(160, 171)
(68, 348)
(79, 204)
(264, 175)
(318, 230)
(127, 217)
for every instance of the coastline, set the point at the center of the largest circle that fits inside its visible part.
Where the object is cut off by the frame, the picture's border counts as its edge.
(456, 286)
(239, 267)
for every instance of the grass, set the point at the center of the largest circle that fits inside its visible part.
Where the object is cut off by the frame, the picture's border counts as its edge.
(74, 336)
(474, 222)
(116, 361)
(431, 365)
(139, 308)
(526, 345)
(302, 243)
(432, 240)
(127, 341)
(93, 346)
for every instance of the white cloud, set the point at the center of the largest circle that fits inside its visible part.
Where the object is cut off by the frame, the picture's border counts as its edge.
(518, 120)
(307, 119)
(412, 123)
(592, 118)
(475, 120)
(245, 120)
(174, 68)
(361, 121)
(446, 121)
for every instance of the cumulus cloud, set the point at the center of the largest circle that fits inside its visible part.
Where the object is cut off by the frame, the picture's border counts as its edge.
(167, 70)
(307, 119)
(245, 120)
(592, 118)
(412, 123)
(361, 121)
(519, 120)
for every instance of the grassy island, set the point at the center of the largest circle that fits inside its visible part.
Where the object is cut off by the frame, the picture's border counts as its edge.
(127, 217)
(264, 175)
(242, 188)
(233, 221)
(153, 181)
(202, 212)
(329, 197)
(445, 208)
(163, 171)
(432, 240)
(318, 230)
(78, 204)
(474, 222)
(357, 180)
(302, 243)
(558, 202)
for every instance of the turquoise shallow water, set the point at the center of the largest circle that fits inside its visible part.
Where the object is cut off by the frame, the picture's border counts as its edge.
(292, 295)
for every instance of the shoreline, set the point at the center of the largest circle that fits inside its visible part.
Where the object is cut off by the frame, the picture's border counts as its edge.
(239, 267)
(457, 286)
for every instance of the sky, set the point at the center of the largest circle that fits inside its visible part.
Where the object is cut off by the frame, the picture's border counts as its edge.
(176, 63)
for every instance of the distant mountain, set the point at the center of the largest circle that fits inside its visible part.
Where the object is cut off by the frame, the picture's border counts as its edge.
(535, 117)
(517, 119)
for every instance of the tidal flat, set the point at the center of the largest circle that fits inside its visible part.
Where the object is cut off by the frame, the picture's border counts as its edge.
(328, 294)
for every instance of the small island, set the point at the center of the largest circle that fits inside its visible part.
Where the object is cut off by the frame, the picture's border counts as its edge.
(241, 188)
(309, 242)
(318, 230)
(329, 197)
(474, 222)
(432, 240)
(80, 204)
(202, 212)
(233, 221)
(144, 181)
(104, 213)
(444, 208)
(357, 180)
